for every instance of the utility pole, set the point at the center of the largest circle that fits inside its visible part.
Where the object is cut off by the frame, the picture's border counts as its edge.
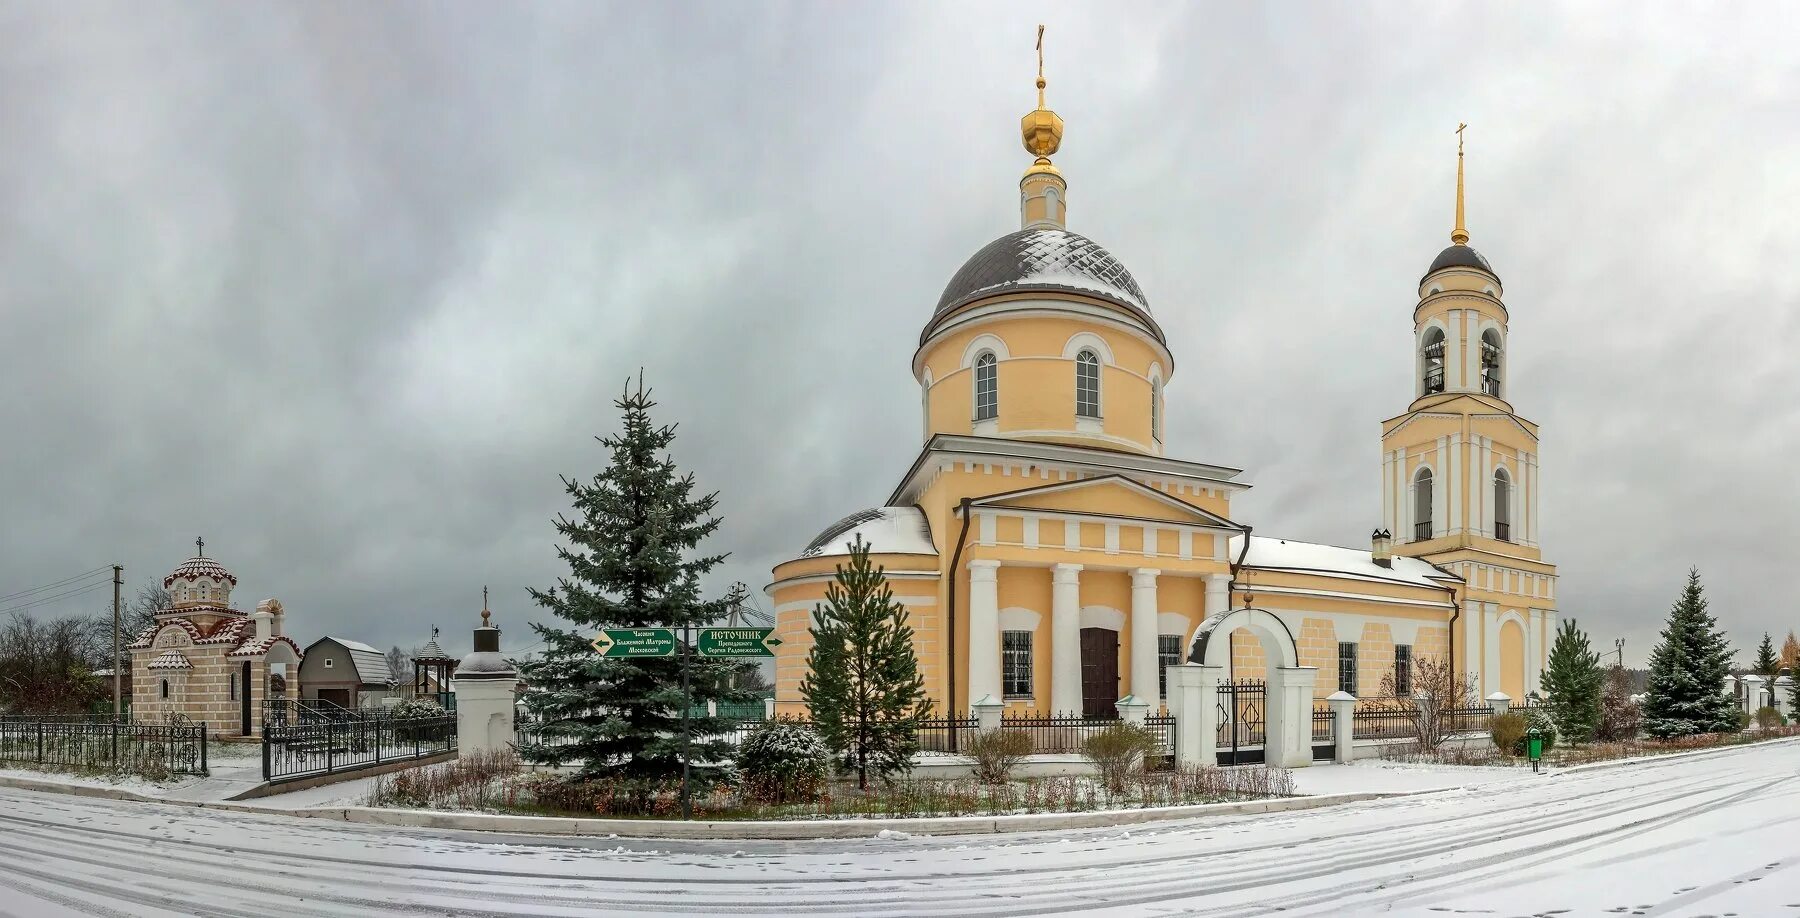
(118, 700)
(1619, 648)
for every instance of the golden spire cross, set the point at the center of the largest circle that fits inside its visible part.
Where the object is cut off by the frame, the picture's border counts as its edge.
(1459, 235)
(1040, 51)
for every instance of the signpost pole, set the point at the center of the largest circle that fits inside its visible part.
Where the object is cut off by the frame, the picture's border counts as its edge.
(686, 650)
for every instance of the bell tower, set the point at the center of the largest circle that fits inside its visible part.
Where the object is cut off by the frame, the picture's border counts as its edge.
(1459, 468)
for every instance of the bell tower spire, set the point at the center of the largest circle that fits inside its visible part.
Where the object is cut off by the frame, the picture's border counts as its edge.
(1459, 235)
(1043, 195)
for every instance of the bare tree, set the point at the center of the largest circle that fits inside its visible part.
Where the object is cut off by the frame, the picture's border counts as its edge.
(48, 667)
(399, 664)
(1436, 692)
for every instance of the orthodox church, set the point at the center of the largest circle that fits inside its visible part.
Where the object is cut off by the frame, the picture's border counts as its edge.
(207, 661)
(1051, 555)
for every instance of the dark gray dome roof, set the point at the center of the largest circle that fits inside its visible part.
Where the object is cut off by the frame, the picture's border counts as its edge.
(1043, 259)
(1459, 256)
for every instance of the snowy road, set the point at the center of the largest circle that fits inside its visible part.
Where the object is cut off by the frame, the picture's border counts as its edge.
(1713, 835)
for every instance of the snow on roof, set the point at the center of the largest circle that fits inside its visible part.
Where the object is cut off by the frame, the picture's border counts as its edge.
(371, 664)
(171, 660)
(1287, 554)
(888, 530)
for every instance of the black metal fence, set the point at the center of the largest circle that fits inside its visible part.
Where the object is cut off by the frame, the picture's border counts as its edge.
(1324, 725)
(1381, 723)
(83, 743)
(307, 748)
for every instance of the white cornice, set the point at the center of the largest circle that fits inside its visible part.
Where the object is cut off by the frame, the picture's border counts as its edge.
(986, 451)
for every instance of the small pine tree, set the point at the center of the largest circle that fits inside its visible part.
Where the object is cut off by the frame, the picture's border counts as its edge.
(1767, 664)
(862, 683)
(1686, 694)
(1572, 683)
(631, 562)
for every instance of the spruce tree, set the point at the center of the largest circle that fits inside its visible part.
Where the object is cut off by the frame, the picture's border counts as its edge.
(862, 683)
(1767, 664)
(1572, 683)
(632, 563)
(1686, 693)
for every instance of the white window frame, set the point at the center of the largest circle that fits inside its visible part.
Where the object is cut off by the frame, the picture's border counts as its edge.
(991, 362)
(1088, 359)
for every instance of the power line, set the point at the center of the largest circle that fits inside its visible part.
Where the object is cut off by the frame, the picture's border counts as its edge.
(56, 597)
(51, 586)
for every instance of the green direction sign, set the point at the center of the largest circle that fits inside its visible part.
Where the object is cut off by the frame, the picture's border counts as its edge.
(737, 642)
(635, 642)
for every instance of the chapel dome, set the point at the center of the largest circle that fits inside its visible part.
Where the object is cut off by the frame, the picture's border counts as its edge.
(1043, 260)
(197, 568)
(1460, 256)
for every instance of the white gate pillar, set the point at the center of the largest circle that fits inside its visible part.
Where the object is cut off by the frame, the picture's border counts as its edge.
(1287, 720)
(1343, 727)
(1194, 702)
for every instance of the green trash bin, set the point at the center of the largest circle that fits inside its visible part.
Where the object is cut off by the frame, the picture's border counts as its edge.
(1534, 747)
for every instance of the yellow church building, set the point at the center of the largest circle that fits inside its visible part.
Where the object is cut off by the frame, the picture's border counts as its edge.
(1050, 554)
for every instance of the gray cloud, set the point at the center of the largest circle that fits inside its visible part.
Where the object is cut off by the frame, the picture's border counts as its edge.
(345, 287)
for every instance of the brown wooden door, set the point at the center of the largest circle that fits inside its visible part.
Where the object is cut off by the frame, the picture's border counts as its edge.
(1099, 672)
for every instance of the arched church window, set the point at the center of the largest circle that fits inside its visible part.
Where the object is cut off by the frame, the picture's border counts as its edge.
(1422, 505)
(987, 387)
(1431, 353)
(1490, 362)
(1087, 384)
(165, 689)
(1502, 506)
(1156, 423)
(1052, 202)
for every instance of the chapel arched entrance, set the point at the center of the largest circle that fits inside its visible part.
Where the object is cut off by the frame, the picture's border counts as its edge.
(1262, 711)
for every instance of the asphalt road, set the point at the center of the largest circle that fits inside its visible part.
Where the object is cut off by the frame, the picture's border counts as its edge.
(1713, 835)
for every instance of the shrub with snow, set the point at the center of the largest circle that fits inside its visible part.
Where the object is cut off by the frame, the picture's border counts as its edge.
(1118, 753)
(997, 753)
(782, 762)
(416, 707)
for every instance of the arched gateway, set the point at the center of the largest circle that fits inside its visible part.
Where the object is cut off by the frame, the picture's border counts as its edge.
(1195, 687)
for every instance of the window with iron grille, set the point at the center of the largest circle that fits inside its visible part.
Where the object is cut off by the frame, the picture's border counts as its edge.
(1168, 653)
(1015, 664)
(1422, 490)
(1403, 670)
(1347, 668)
(1087, 384)
(1502, 506)
(987, 387)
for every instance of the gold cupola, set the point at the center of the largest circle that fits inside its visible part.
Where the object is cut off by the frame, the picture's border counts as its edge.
(1043, 195)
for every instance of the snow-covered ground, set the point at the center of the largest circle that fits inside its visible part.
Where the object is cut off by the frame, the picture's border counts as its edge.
(1705, 835)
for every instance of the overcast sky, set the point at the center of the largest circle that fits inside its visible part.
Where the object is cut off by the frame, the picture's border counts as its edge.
(344, 287)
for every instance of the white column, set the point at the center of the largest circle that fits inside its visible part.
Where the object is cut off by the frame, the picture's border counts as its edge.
(1143, 637)
(984, 629)
(1490, 642)
(1440, 486)
(1218, 594)
(1532, 533)
(1453, 514)
(1065, 639)
(1533, 636)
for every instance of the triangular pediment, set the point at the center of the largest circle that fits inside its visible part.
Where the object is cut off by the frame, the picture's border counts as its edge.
(1110, 495)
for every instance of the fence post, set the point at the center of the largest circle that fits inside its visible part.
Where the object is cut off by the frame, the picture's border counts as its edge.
(988, 712)
(115, 743)
(1499, 702)
(330, 741)
(204, 770)
(1193, 700)
(40, 742)
(265, 739)
(1343, 727)
(1132, 710)
(769, 708)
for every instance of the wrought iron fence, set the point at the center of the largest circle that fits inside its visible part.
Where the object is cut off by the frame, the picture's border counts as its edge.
(305, 748)
(143, 748)
(1467, 720)
(1241, 710)
(1324, 725)
(1381, 723)
(1162, 726)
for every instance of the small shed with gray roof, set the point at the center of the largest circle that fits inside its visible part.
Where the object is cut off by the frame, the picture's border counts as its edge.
(346, 673)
